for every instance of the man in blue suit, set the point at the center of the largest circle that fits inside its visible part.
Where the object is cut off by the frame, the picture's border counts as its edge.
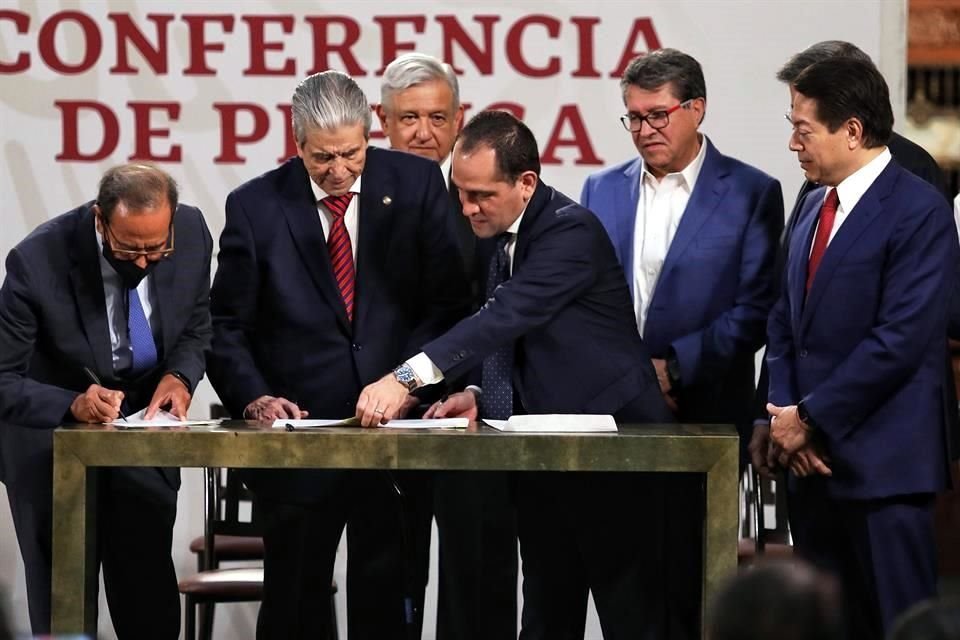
(856, 349)
(119, 286)
(696, 233)
(555, 334)
(332, 267)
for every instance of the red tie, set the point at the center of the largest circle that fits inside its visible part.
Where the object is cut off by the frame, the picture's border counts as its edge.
(341, 251)
(828, 213)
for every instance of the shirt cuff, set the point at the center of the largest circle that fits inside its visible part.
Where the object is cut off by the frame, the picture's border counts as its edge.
(424, 369)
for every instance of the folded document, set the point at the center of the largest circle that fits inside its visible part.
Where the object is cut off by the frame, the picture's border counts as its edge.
(161, 419)
(442, 423)
(556, 423)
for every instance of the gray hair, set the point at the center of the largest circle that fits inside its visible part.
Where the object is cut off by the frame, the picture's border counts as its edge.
(657, 68)
(329, 100)
(412, 69)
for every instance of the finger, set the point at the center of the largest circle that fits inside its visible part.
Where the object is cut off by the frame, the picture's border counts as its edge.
(388, 414)
(287, 409)
(101, 408)
(432, 411)
(362, 403)
(820, 467)
(178, 406)
(773, 409)
(155, 406)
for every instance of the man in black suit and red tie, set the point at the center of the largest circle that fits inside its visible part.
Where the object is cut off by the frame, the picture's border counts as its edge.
(332, 266)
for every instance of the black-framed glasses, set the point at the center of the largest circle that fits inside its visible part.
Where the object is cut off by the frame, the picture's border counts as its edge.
(633, 122)
(149, 254)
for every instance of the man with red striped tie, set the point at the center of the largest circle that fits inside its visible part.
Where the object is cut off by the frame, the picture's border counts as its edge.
(333, 267)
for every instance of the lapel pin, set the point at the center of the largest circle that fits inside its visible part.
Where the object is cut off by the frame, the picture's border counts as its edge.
(387, 200)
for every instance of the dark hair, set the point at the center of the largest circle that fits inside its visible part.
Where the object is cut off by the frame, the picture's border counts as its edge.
(845, 88)
(137, 186)
(818, 53)
(929, 620)
(783, 600)
(511, 140)
(657, 68)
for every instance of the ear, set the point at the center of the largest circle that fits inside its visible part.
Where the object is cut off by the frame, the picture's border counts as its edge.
(699, 109)
(853, 129)
(382, 116)
(97, 217)
(528, 184)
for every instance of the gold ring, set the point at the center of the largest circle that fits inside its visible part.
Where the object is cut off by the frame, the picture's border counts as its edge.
(380, 411)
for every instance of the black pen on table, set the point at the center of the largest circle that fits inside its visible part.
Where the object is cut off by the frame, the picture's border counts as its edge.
(92, 377)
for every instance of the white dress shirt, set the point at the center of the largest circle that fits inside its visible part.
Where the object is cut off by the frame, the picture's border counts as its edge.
(852, 189)
(114, 293)
(350, 219)
(422, 365)
(660, 208)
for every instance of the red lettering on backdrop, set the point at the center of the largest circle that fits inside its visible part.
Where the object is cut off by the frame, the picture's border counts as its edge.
(196, 34)
(70, 110)
(92, 42)
(642, 27)
(322, 47)
(129, 33)
(259, 46)
(585, 67)
(230, 138)
(570, 114)
(453, 32)
(514, 46)
(290, 148)
(22, 23)
(144, 133)
(390, 48)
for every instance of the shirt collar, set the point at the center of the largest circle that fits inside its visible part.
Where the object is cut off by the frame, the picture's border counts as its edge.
(690, 173)
(319, 194)
(445, 168)
(514, 228)
(856, 184)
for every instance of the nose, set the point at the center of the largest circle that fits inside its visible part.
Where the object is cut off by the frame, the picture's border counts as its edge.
(469, 208)
(423, 129)
(794, 143)
(650, 129)
(141, 262)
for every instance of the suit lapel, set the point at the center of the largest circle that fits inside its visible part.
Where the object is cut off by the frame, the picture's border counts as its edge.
(626, 198)
(799, 252)
(303, 219)
(377, 203)
(164, 281)
(706, 197)
(88, 292)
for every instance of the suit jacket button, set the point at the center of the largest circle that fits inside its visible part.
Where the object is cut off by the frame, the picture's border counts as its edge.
(803, 353)
(356, 347)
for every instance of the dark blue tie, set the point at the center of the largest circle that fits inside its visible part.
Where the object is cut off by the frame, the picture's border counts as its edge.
(142, 346)
(497, 372)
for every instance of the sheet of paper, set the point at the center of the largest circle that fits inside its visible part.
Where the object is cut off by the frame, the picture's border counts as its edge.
(556, 423)
(446, 423)
(162, 419)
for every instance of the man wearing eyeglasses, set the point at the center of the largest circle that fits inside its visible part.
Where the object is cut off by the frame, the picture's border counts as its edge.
(104, 309)
(696, 233)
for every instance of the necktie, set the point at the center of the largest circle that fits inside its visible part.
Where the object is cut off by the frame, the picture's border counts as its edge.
(828, 213)
(142, 346)
(341, 251)
(497, 372)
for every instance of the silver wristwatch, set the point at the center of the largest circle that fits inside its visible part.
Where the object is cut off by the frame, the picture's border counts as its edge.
(405, 376)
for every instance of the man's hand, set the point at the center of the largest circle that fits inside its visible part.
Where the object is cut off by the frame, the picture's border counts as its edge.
(269, 408)
(97, 404)
(759, 450)
(787, 431)
(660, 366)
(459, 405)
(381, 401)
(809, 461)
(171, 391)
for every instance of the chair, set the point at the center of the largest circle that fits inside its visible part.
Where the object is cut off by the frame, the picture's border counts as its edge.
(227, 536)
(761, 493)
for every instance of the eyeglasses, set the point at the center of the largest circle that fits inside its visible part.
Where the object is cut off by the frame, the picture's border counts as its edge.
(656, 119)
(149, 254)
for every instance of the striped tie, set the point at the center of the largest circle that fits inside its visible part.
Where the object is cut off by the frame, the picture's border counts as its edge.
(341, 251)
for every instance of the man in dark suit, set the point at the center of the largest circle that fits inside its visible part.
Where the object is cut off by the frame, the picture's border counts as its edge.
(856, 348)
(119, 286)
(911, 157)
(322, 284)
(696, 232)
(555, 334)
(420, 112)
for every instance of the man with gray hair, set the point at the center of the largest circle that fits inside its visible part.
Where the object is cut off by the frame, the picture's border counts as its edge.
(420, 112)
(332, 266)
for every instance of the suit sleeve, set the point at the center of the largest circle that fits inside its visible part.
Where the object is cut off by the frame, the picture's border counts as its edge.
(909, 322)
(24, 401)
(189, 354)
(585, 192)
(551, 277)
(704, 355)
(233, 306)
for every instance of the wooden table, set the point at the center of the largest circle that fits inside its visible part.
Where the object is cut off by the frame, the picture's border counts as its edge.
(79, 450)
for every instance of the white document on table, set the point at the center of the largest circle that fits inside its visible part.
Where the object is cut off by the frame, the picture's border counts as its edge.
(444, 423)
(161, 419)
(556, 423)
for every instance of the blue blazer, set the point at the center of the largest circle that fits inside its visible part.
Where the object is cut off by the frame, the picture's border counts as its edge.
(279, 324)
(715, 290)
(865, 349)
(567, 308)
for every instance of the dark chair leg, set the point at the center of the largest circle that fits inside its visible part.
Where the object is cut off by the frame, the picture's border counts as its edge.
(190, 624)
(206, 621)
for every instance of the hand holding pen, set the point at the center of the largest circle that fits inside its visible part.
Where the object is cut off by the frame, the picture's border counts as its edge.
(97, 403)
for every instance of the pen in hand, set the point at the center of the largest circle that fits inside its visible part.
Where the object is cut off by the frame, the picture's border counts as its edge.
(92, 377)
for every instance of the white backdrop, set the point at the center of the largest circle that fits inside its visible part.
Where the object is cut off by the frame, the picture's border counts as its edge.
(201, 88)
